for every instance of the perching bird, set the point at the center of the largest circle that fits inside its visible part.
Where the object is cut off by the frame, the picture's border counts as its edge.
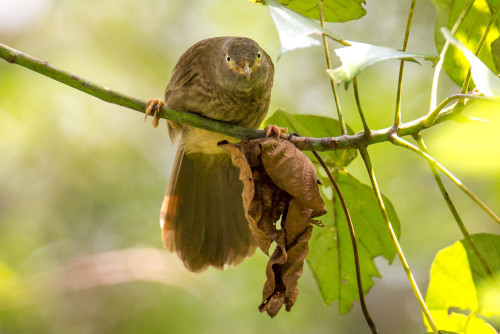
(202, 216)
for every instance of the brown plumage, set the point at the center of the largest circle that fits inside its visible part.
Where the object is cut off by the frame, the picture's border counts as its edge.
(202, 217)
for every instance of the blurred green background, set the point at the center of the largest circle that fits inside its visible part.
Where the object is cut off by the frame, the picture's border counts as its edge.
(82, 181)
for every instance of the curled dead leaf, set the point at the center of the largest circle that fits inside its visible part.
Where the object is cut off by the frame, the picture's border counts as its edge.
(280, 182)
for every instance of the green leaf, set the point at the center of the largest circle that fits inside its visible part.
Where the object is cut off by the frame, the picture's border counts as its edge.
(495, 53)
(331, 257)
(333, 10)
(295, 31)
(486, 81)
(315, 126)
(359, 56)
(461, 291)
(469, 33)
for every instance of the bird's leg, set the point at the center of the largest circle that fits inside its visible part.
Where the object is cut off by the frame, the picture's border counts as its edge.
(154, 105)
(270, 129)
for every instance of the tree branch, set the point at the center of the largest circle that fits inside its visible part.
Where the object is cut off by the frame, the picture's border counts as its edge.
(304, 143)
(104, 93)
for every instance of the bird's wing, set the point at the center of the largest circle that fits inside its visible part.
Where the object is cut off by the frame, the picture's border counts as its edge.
(186, 69)
(190, 63)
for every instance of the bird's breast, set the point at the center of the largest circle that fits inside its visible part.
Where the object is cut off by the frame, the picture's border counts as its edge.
(195, 140)
(244, 107)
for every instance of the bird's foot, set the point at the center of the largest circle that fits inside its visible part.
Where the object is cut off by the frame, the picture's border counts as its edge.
(274, 129)
(153, 106)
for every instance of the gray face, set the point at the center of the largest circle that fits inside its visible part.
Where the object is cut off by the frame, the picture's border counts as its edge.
(243, 65)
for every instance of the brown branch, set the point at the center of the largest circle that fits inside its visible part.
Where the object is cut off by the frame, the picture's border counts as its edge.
(304, 143)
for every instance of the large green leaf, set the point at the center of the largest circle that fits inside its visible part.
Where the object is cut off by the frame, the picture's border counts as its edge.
(315, 126)
(469, 33)
(333, 10)
(461, 290)
(358, 56)
(495, 52)
(486, 81)
(331, 257)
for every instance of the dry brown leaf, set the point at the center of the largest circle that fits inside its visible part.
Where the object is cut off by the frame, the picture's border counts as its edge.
(279, 182)
(248, 194)
(292, 171)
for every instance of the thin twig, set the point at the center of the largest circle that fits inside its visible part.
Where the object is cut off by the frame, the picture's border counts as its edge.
(397, 117)
(366, 128)
(362, 301)
(453, 209)
(399, 251)
(403, 143)
(343, 127)
(431, 118)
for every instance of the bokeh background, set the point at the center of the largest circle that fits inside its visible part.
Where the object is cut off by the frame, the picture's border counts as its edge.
(82, 181)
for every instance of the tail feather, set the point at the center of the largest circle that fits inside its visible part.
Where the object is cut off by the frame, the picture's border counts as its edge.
(202, 215)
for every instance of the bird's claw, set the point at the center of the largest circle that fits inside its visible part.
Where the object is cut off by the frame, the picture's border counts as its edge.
(270, 129)
(153, 106)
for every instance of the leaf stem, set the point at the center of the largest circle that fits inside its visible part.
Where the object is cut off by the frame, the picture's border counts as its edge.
(480, 44)
(453, 209)
(366, 128)
(362, 301)
(395, 139)
(343, 127)
(366, 158)
(397, 117)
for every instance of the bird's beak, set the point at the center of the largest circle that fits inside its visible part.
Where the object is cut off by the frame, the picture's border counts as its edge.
(246, 71)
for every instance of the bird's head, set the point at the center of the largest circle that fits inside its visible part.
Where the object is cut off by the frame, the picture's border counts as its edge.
(243, 63)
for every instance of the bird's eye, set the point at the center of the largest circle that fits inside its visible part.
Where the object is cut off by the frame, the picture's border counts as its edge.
(258, 55)
(228, 59)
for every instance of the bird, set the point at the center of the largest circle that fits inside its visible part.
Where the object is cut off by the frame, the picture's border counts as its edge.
(202, 215)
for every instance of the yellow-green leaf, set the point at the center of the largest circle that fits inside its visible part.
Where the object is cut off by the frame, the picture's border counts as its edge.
(486, 81)
(462, 289)
(469, 33)
(333, 10)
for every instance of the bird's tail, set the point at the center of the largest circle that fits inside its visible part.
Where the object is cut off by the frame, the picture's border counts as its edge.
(202, 215)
